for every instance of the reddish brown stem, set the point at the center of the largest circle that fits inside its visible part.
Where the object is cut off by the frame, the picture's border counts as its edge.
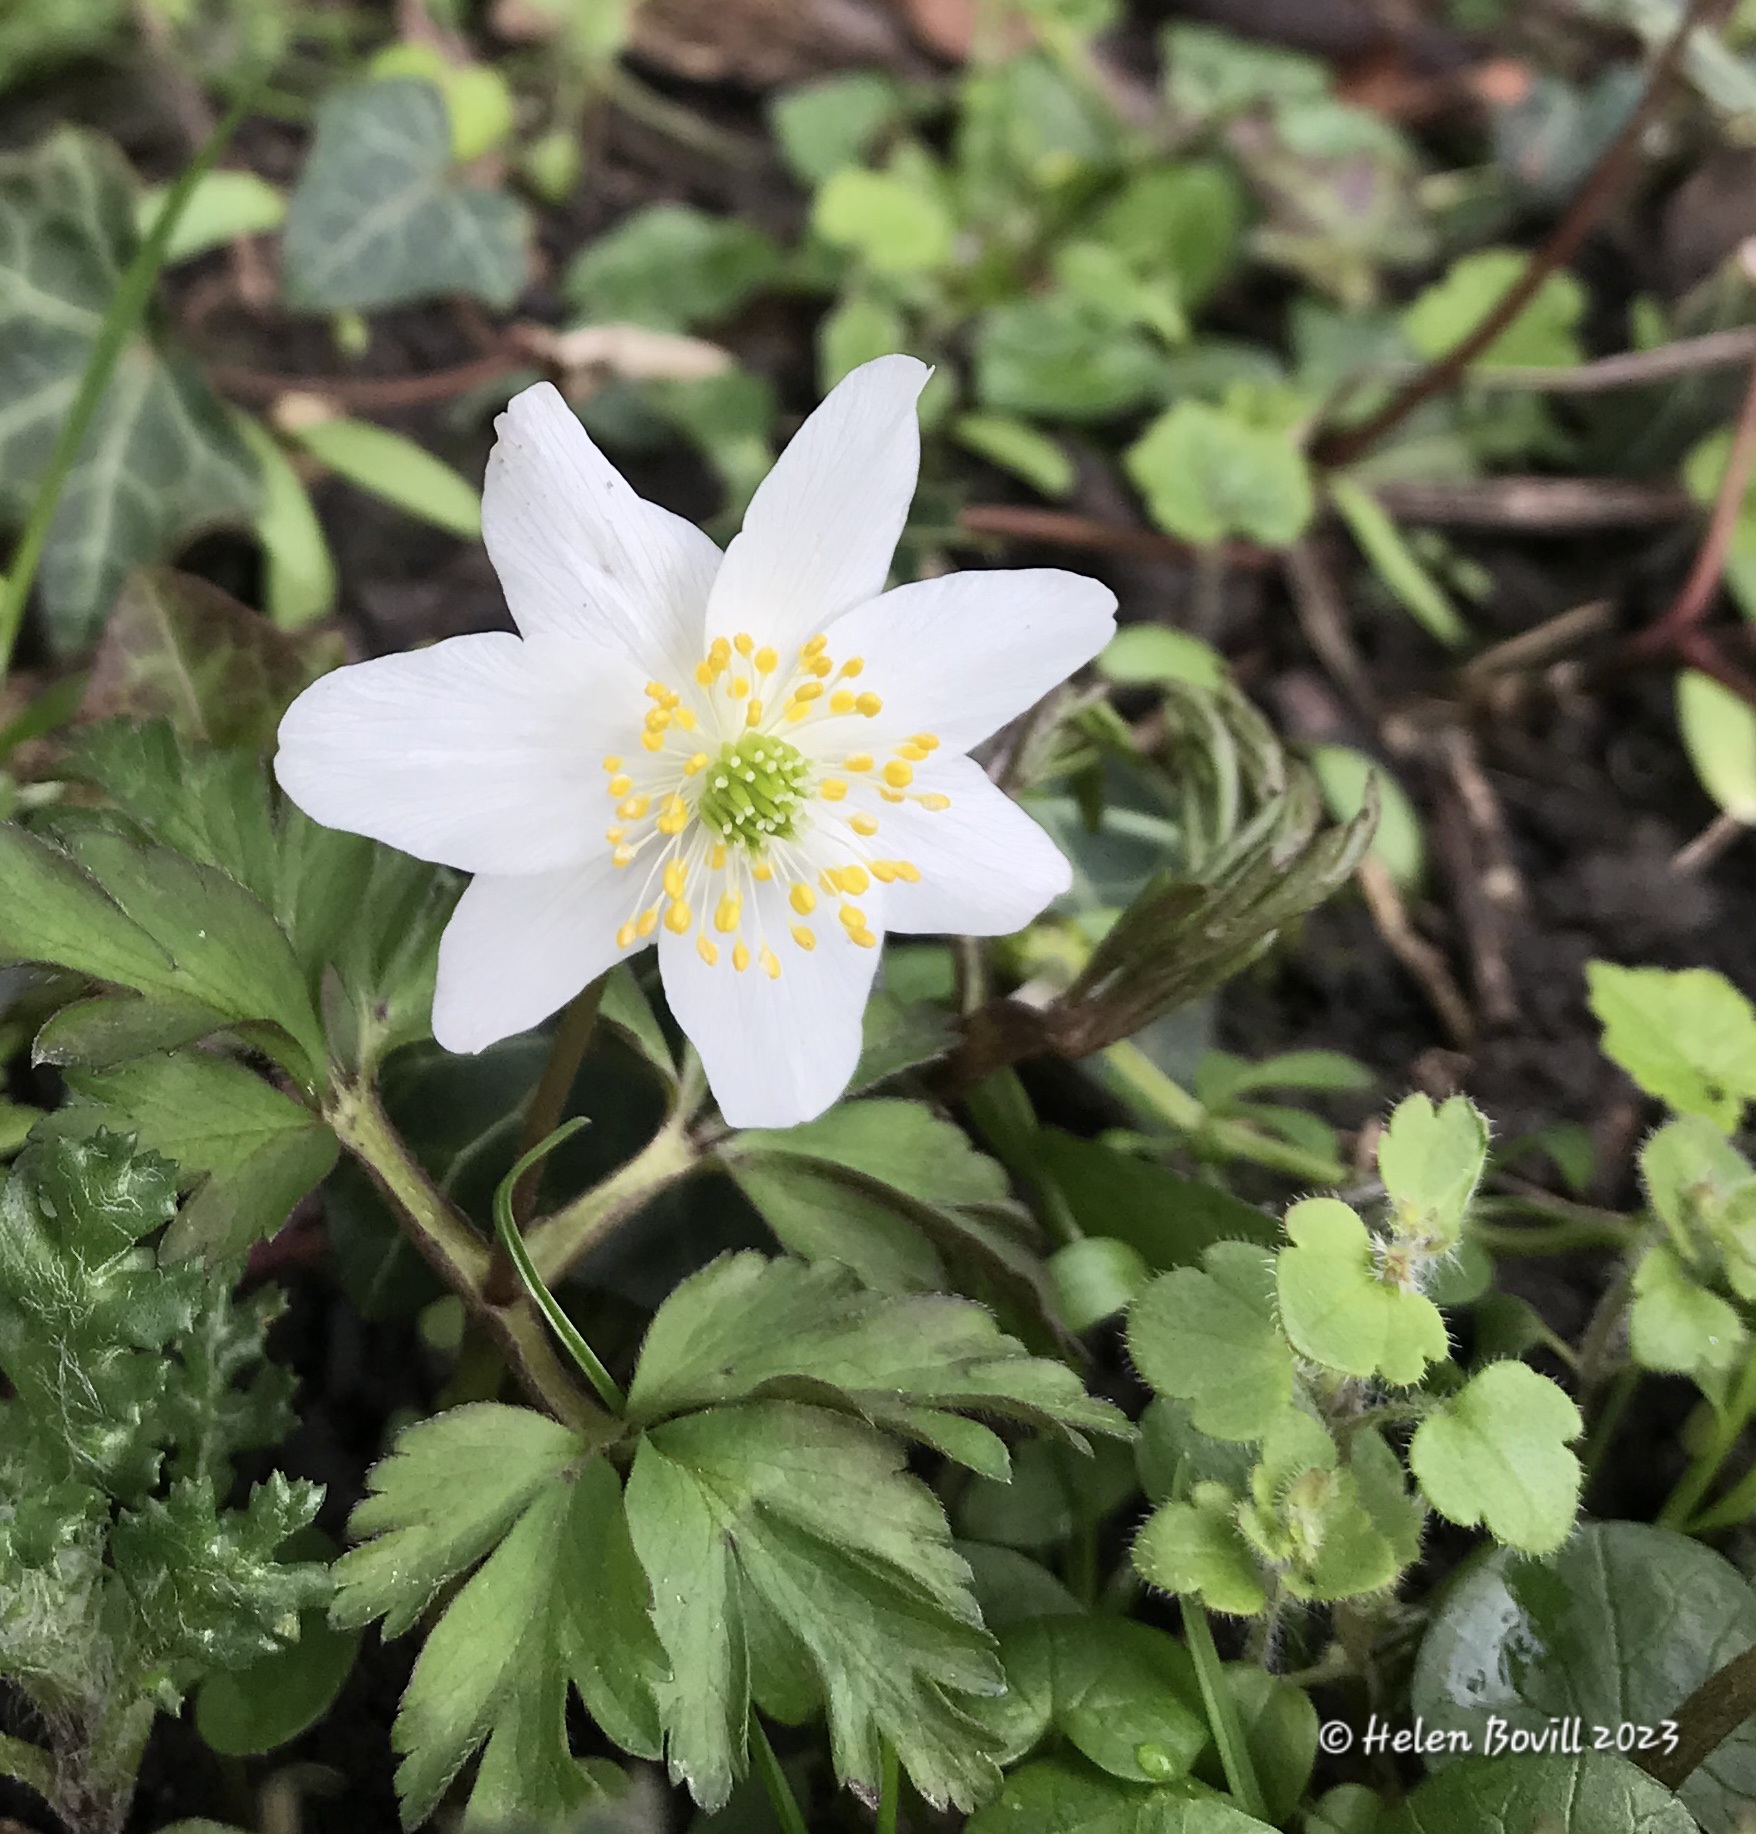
(1605, 180)
(1061, 528)
(370, 393)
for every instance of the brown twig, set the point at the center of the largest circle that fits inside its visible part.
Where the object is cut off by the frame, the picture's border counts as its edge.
(1534, 506)
(1629, 368)
(1605, 180)
(1424, 962)
(1322, 616)
(1063, 529)
(1471, 837)
(370, 393)
(1705, 1721)
(1539, 646)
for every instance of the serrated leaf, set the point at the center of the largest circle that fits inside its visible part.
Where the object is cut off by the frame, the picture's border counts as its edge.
(1431, 1160)
(897, 1036)
(1677, 1323)
(111, 1028)
(1210, 1338)
(1496, 1453)
(814, 1512)
(224, 1397)
(1207, 476)
(377, 220)
(1337, 1307)
(748, 1328)
(1060, 1797)
(1197, 1547)
(1687, 1036)
(161, 460)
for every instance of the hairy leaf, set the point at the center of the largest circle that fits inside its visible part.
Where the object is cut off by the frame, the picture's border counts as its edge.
(1688, 1037)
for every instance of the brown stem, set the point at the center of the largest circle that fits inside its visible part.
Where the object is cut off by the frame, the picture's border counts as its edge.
(1706, 1720)
(1606, 179)
(1062, 529)
(370, 393)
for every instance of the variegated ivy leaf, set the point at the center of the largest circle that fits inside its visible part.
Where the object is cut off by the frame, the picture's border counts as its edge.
(161, 459)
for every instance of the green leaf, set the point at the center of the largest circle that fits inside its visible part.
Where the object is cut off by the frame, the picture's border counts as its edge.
(111, 1028)
(1186, 220)
(1619, 1627)
(1150, 655)
(300, 584)
(392, 467)
(1060, 1797)
(1596, 1793)
(671, 267)
(180, 649)
(248, 1151)
(268, 1704)
(1719, 734)
(223, 1397)
(1211, 74)
(1211, 1338)
(1496, 1453)
(224, 206)
(855, 330)
(1688, 1036)
(1207, 475)
(1198, 1548)
(1280, 1731)
(824, 126)
(1704, 1192)
(377, 219)
(815, 1514)
(1054, 356)
(897, 1036)
(891, 222)
(1094, 1278)
(1678, 1324)
(1339, 1308)
(161, 460)
(1396, 563)
(1431, 1160)
(1018, 448)
(747, 1328)
(1544, 334)
(52, 912)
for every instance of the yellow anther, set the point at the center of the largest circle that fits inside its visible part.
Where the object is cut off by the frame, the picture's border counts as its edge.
(803, 937)
(717, 859)
(803, 899)
(892, 795)
(704, 673)
(762, 871)
(898, 774)
(612, 763)
(623, 856)
(675, 818)
(621, 784)
(753, 714)
(913, 752)
(685, 717)
(842, 701)
(655, 690)
(696, 764)
(652, 741)
(815, 645)
(883, 871)
(770, 964)
(676, 879)
(678, 917)
(725, 919)
(634, 807)
(740, 687)
(832, 789)
(860, 761)
(820, 666)
(740, 958)
(625, 937)
(615, 836)
(926, 741)
(707, 950)
(853, 666)
(934, 800)
(658, 719)
(864, 938)
(852, 917)
(647, 921)
(743, 643)
(863, 823)
(855, 879)
(907, 869)
(766, 661)
(870, 705)
(808, 690)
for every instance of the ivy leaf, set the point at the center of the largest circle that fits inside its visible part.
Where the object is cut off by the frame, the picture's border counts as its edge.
(161, 459)
(1207, 475)
(1595, 1793)
(1059, 1797)
(1198, 1548)
(670, 267)
(249, 1152)
(377, 220)
(1338, 1309)
(1211, 1338)
(1680, 1325)
(1687, 1036)
(747, 1328)
(1431, 1160)
(815, 1514)
(1496, 1453)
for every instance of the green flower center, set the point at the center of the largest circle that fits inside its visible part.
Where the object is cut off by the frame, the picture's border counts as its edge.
(751, 793)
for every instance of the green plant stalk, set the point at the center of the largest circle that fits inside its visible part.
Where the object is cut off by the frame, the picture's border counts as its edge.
(127, 305)
(1141, 1081)
(457, 1254)
(572, 1338)
(1679, 1510)
(889, 1791)
(774, 1780)
(557, 1243)
(1222, 1709)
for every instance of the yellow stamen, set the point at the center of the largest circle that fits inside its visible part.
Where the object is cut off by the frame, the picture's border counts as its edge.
(740, 958)
(625, 937)
(616, 835)
(907, 869)
(815, 646)
(892, 795)
(753, 714)
(704, 673)
(853, 879)
(863, 823)
(808, 690)
(842, 701)
(696, 764)
(647, 921)
(820, 666)
(623, 856)
(740, 687)
(675, 818)
(657, 719)
(676, 879)
(620, 786)
(765, 660)
(717, 859)
(860, 761)
(762, 871)
(913, 752)
(870, 705)
(853, 666)
(883, 871)
(803, 899)
(770, 964)
(725, 919)
(803, 937)
(898, 774)
(926, 741)
(708, 952)
(832, 789)
(685, 718)
(852, 917)
(864, 938)
(612, 763)
(934, 800)
(678, 918)
(652, 741)
(743, 643)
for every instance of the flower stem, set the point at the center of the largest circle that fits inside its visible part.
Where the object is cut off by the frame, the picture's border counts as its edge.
(1728, 1426)
(572, 1338)
(559, 1242)
(456, 1253)
(1222, 1710)
(774, 1780)
(889, 1791)
(127, 304)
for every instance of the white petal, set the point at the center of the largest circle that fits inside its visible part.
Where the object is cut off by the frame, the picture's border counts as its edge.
(962, 655)
(776, 1052)
(822, 526)
(483, 752)
(986, 868)
(578, 552)
(519, 949)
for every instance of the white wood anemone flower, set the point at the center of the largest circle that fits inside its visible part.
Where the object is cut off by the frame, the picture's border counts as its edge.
(757, 758)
